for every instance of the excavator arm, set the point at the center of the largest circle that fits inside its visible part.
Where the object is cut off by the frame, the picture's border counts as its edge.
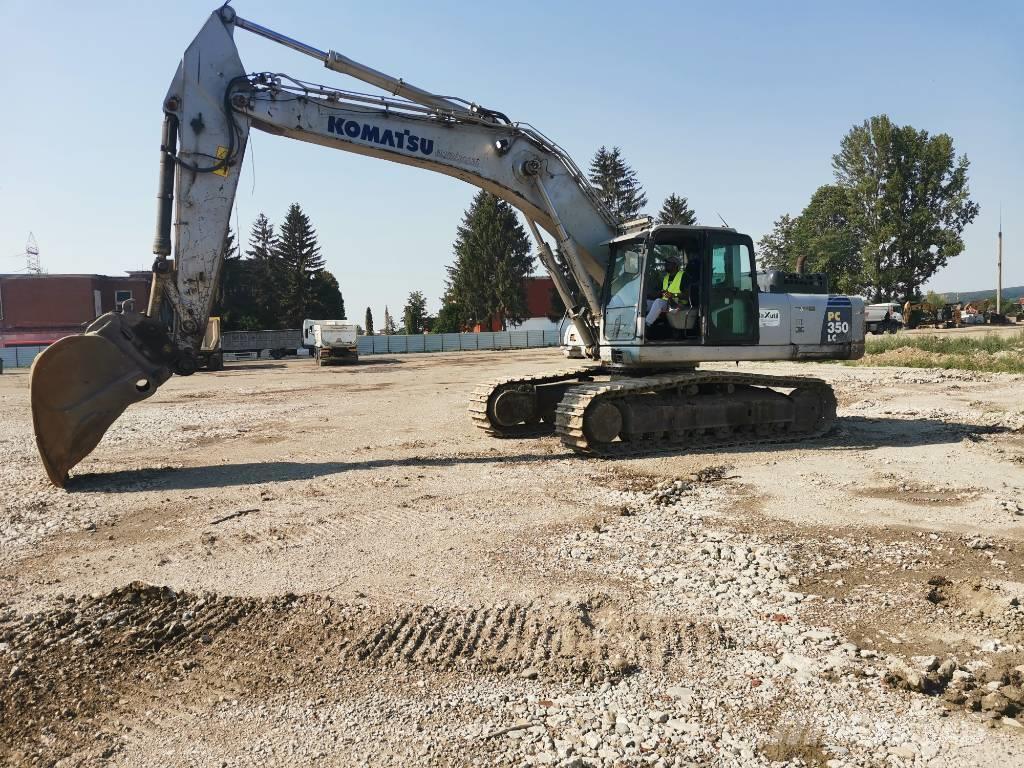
(82, 384)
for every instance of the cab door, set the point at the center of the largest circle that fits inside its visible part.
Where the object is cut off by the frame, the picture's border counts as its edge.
(730, 290)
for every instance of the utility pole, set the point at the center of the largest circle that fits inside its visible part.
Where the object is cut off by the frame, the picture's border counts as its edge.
(999, 284)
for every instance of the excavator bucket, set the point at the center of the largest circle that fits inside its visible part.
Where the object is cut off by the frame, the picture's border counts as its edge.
(81, 384)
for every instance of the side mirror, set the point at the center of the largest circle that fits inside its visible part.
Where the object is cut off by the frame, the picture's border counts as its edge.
(631, 263)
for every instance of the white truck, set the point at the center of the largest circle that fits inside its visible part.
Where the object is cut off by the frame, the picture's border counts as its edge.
(883, 318)
(331, 341)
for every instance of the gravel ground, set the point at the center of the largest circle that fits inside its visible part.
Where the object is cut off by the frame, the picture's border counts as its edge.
(278, 564)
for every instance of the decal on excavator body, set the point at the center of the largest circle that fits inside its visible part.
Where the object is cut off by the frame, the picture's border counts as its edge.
(838, 325)
(404, 139)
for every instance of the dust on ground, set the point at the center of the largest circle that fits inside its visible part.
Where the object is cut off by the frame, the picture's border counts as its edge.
(279, 564)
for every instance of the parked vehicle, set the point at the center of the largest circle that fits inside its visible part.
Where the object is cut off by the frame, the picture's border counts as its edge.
(883, 318)
(276, 344)
(332, 341)
(951, 315)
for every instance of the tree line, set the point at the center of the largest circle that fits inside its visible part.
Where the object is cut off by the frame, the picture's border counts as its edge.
(486, 282)
(281, 282)
(892, 217)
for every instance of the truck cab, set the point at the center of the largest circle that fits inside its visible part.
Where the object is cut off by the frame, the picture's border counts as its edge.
(886, 317)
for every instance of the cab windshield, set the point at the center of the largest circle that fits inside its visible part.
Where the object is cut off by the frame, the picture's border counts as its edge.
(622, 309)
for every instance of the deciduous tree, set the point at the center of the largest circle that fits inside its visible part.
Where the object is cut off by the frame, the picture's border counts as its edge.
(776, 250)
(825, 234)
(909, 202)
(449, 319)
(326, 301)
(414, 315)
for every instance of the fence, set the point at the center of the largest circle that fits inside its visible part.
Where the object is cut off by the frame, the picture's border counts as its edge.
(19, 357)
(22, 357)
(456, 342)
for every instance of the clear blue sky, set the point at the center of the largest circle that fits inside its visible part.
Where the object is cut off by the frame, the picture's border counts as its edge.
(738, 106)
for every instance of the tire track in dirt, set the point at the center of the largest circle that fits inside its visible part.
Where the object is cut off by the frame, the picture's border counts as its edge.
(86, 666)
(281, 535)
(595, 643)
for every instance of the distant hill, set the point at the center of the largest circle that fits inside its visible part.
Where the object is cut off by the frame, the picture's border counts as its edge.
(1011, 293)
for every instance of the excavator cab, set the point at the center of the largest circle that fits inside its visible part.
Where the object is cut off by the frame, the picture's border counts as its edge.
(718, 302)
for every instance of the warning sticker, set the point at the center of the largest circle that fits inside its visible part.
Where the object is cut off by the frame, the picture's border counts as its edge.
(222, 152)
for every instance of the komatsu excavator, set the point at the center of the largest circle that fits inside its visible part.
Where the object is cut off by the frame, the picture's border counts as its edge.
(642, 392)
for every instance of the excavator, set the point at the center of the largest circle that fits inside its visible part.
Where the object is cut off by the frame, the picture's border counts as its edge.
(642, 390)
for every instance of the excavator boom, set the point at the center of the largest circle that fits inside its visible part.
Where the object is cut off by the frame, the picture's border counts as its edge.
(83, 383)
(644, 394)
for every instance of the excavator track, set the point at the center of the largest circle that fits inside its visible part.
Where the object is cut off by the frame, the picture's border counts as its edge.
(752, 413)
(482, 402)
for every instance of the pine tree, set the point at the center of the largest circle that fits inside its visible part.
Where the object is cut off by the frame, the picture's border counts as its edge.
(492, 261)
(676, 210)
(616, 184)
(415, 313)
(368, 322)
(264, 275)
(230, 249)
(389, 323)
(231, 279)
(301, 264)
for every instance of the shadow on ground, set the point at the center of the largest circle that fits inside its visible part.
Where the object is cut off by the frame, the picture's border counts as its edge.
(241, 366)
(851, 433)
(254, 473)
(237, 368)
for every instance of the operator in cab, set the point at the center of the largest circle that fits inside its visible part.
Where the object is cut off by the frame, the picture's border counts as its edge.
(671, 291)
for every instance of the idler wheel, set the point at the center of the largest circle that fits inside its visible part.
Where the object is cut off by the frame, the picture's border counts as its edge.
(514, 406)
(602, 422)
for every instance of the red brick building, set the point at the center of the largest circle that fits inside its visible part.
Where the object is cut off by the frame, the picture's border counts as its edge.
(39, 309)
(539, 308)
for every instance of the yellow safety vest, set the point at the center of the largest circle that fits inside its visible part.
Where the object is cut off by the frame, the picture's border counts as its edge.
(673, 284)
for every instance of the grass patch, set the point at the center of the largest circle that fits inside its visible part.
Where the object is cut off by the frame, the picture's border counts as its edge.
(990, 353)
(799, 746)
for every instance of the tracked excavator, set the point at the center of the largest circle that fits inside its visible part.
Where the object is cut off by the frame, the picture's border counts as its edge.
(642, 389)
